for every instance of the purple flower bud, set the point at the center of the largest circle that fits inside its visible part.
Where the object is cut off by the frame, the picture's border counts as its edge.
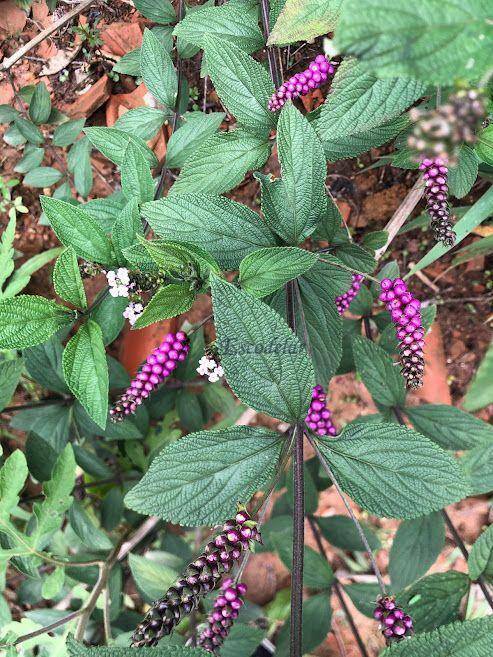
(226, 607)
(394, 623)
(320, 422)
(435, 174)
(344, 300)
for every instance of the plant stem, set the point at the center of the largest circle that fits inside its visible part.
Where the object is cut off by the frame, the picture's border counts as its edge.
(367, 325)
(36, 404)
(42, 630)
(296, 630)
(272, 53)
(346, 268)
(361, 533)
(337, 588)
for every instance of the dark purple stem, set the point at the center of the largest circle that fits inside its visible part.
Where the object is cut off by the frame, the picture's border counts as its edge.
(296, 634)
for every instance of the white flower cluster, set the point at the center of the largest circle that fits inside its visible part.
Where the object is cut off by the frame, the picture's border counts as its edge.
(133, 311)
(209, 368)
(119, 282)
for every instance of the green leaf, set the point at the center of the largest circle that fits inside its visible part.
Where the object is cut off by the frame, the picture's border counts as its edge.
(29, 131)
(10, 372)
(42, 177)
(227, 230)
(7, 252)
(109, 315)
(421, 44)
(265, 363)
(13, 474)
(171, 256)
(161, 12)
(151, 577)
(169, 301)
(75, 228)
(86, 371)
(157, 69)
(393, 471)
(317, 573)
(242, 83)
(50, 512)
(480, 557)
(434, 600)
(21, 277)
(242, 640)
(80, 650)
(363, 597)
(41, 456)
(221, 163)
(266, 270)
(200, 479)
(196, 129)
(482, 247)
(67, 280)
(304, 171)
(7, 113)
(450, 427)
(379, 374)
(484, 146)
(359, 102)
(480, 392)
(317, 615)
(79, 163)
(52, 423)
(90, 535)
(28, 320)
(33, 156)
(112, 143)
(40, 105)
(463, 176)
(126, 228)
(53, 584)
(341, 532)
(417, 545)
(478, 468)
(472, 638)
(143, 122)
(136, 177)
(230, 22)
(66, 133)
(303, 20)
(44, 365)
(355, 257)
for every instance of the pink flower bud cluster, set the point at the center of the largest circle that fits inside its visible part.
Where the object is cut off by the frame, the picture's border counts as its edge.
(227, 606)
(404, 310)
(344, 300)
(435, 174)
(158, 366)
(319, 417)
(301, 83)
(394, 622)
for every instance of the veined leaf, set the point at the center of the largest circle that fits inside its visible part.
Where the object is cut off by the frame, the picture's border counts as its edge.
(7, 252)
(112, 143)
(66, 133)
(481, 556)
(162, 12)
(478, 468)
(136, 177)
(196, 129)
(126, 229)
(480, 393)
(463, 175)
(199, 480)
(151, 577)
(44, 364)
(382, 378)
(40, 105)
(67, 280)
(393, 471)
(21, 276)
(169, 301)
(13, 474)
(157, 69)
(80, 650)
(10, 372)
(42, 177)
(143, 122)
(303, 20)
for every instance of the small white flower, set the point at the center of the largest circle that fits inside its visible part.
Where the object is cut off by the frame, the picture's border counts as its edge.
(213, 377)
(209, 368)
(133, 311)
(123, 276)
(119, 282)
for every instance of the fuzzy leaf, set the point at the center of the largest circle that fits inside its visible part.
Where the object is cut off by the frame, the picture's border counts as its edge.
(67, 280)
(74, 227)
(227, 230)
(7, 252)
(143, 122)
(196, 129)
(10, 372)
(86, 371)
(112, 143)
(136, 178)
(157, 69)
(66, 133)
(169, 301)
(200, 479)
(13, 474)
(379, 374)
(265, 363)
(393, 471)
(28, 320)
(80, 650)
(40, 105)
(341, 532)
(478, 467)
(480, 392)
(463, 176)
(162, 12)
(44, 364)
(480, 557)
(125, 229)
(42, 177)
(303, 20)
(266, 270)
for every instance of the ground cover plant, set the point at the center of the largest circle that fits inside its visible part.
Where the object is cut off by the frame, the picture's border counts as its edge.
(134, 504)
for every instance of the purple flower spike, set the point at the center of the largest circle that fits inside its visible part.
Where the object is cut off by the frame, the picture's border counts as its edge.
(319, 417)
(395, 624)
(200, 577)
(300, 84)
(435, 174)
(226, 608)
(158, 366)
(404, 310)
(344, 300)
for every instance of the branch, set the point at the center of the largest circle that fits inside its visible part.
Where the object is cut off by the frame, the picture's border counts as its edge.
(296, 629)
(10, 61)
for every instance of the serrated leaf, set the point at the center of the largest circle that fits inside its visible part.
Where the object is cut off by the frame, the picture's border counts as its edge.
(317, 616)
(463, 175)
(393, 471)
(416, 546)
(57, 491)
(28, 320)
(200, 479)
(66, 133)
(143, 122)
(303, 20)
(151, 577)
(44, 365)
(434, 600)
(126, 228)
(85, 529)
(7, 252)
(303, 169)
(10, 372)
(478, 468)
(157, 70)
(53, 584)
(480, 557)
(86, 371)
(13, 474)
(75, 228)
(480, 392)
(136, 177)
(221, 163)
(80, 650)
(242, 83)
(112, 143)
(363, 596)
(170, 256)
(242, 640)
(422, 44)
(224, 228)
(266, 270)
(382, 378)
(40, 105)
(162, 13)
(355, 257)
(265, 363)
(341, 532)
(21, 277)
(67, 280)
(79, 163)
(52, 423)
(195, 130)
(450, 427)
(42, 177)
(169, 301)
